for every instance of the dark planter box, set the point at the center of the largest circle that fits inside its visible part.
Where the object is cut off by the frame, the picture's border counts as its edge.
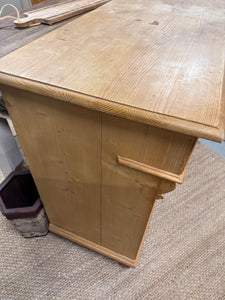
(21, 204)
(19, 197)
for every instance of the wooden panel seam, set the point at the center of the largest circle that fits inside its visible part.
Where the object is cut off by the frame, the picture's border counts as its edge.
(150, 170)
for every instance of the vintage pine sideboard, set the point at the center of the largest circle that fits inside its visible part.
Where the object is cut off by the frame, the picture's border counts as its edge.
(108, 109)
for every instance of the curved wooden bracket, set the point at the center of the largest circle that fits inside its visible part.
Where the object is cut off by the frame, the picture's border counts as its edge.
(165, 187)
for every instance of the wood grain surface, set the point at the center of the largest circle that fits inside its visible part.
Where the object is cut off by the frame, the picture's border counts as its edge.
(87, 101)
(62, 145)
(88, 195)
(12, 38)
(128, 195)
(163, 58)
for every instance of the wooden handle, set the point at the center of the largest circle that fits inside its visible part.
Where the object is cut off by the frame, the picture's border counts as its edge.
(150, 170)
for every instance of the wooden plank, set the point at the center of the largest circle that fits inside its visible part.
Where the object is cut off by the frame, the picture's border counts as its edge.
(58, 12)
(172, 68)
(62, 144)
(12, 38)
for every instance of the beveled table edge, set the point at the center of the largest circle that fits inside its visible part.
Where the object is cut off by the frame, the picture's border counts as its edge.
(179, 125)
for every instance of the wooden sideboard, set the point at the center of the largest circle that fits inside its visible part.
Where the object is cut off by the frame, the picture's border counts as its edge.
(108, 109)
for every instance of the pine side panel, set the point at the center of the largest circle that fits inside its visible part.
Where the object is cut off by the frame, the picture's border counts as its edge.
(62, 143)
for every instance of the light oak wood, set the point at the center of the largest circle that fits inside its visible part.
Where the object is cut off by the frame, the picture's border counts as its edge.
(170, 71)
(96, 247)
(108, 111)
(128, 195)
(116, 109)
(58, 12)
(88, 195)
(62, 144)
(149, 169)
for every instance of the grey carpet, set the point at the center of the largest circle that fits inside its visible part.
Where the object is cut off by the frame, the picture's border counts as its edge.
(183, 255)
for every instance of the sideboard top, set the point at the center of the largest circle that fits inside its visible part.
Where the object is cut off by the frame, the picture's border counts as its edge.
(160, 62)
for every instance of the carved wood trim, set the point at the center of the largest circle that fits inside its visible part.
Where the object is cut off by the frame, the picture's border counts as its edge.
(150, 170)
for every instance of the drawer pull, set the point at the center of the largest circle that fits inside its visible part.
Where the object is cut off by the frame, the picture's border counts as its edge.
(150, 170)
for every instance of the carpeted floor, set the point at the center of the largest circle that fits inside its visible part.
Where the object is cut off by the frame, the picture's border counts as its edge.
(183, 255)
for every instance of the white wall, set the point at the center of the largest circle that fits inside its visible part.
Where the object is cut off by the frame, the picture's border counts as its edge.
(20, 4)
